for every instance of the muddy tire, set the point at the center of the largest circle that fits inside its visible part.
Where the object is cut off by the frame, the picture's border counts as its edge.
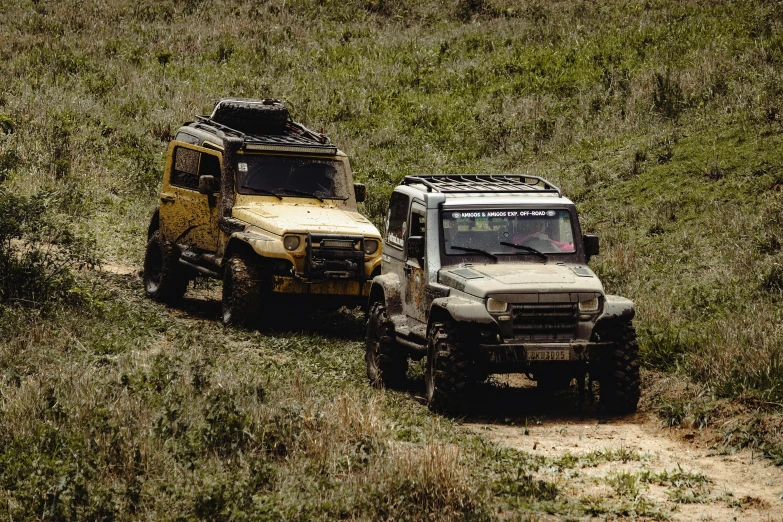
(242, 292)
(252, 116)
(619, 382)
(165, 280)
(450, 373)
(387, 362)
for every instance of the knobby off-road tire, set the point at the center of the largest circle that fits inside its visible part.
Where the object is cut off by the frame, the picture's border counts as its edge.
(252, 116)
(387, 362)
(451, 374)
(165, 280)
(619, 382)
(242, 292)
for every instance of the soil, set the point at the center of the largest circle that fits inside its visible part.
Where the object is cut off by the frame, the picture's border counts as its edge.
(740, 486)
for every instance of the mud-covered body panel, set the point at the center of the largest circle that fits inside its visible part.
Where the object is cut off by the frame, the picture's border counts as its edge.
(293, 235)
(553, 305)
(512, 280)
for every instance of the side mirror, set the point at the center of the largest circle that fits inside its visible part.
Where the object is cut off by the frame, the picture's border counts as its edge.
(360, 191)
(208, 185)
(416, 247)
(591, 245)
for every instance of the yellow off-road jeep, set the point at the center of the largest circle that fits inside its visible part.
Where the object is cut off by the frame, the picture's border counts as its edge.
(267, 205)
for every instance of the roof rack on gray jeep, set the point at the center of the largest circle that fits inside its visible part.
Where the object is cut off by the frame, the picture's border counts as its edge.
(297, 138)
(497, 183)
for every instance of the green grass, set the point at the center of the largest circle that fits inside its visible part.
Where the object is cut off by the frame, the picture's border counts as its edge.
(662, 120)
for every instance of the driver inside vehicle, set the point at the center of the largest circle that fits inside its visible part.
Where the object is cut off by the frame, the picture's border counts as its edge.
(541, 234)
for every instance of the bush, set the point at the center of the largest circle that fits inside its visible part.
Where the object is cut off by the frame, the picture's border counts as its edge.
(39, 251)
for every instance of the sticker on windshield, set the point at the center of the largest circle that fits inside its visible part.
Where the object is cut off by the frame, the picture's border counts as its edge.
(242, 167)
(504, 213)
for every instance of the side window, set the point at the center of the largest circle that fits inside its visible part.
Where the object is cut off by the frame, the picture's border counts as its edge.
(210, 166)
(184, 171)
(418, 226)
(396, 224)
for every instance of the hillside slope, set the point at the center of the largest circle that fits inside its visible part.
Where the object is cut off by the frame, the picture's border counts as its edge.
(662, 119)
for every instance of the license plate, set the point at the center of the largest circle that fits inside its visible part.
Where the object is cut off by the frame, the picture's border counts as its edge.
(548, 355)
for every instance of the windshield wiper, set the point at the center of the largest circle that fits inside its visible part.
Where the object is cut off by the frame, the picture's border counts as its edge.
(303, 193)
(262, 191)
(526, 249)
(474, 251)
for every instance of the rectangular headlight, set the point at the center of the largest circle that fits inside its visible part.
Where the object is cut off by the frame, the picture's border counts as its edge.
(495, 306)
(588, 306)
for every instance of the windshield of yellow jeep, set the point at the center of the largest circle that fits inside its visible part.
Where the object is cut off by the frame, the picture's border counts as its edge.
(290, 176)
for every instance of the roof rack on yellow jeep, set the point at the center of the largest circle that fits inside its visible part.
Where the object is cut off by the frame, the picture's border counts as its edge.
(263, 125)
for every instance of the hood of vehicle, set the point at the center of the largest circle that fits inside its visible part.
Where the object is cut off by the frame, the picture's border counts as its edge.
(522, 278)
(283, 218)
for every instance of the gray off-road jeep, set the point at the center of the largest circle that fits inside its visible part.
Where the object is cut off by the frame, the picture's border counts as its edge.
(488, 274)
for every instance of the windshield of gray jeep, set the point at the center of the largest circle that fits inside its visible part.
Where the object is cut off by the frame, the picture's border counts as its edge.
(290, 176)
(512, 232)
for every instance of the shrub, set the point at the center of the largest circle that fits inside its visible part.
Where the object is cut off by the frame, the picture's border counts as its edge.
(38, 252)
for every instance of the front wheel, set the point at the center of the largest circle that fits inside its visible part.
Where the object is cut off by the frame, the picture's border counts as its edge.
(450, 372)
(620, 384)
(241, 293)
(165, 279)
(387, 362)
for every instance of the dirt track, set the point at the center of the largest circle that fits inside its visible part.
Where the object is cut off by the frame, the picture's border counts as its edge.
(623, 460)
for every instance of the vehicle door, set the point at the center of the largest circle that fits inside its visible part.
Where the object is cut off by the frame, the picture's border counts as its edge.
(188, 217)
(394, 239)
(414, 300)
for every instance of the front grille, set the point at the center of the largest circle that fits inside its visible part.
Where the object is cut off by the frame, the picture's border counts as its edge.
(545, 322)
(334, 257)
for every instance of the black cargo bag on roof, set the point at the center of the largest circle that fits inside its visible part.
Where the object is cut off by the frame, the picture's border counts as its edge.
(251, 116)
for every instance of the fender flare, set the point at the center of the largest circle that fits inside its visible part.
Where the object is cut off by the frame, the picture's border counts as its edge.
(459, 310)
(617, 310)
(386, 288)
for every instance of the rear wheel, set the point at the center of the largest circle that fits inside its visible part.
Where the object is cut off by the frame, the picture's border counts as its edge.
(165, 280)
(242, 290)
(387, 362)
(450, 373)
(620, 383)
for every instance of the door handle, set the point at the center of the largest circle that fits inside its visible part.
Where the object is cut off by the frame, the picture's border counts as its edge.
(167, 199)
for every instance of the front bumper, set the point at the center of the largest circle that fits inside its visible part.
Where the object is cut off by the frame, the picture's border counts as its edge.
(517, 353)
(333, 287)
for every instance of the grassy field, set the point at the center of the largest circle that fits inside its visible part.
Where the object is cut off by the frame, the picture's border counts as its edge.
(663, 120)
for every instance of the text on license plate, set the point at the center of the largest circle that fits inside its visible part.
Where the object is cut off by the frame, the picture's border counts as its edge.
(547, 355)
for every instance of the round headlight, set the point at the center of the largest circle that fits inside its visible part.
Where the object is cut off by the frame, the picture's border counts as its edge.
(496, 306)
(370, 246)
(291, 242)
(589, 306)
